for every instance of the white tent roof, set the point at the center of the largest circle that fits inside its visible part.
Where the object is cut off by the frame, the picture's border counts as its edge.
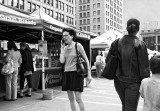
(105, 39)
(42, 15)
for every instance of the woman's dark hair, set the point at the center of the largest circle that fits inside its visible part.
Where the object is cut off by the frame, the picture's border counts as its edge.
(155, 64)
(71, 31)
(133, 25)
(24, 44)
(11, 45)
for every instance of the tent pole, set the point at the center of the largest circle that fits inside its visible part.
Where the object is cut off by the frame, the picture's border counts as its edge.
(43, 68)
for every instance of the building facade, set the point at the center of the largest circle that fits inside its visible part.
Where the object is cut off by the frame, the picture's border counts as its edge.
(151, 38)
(99, 16)
(62, 10)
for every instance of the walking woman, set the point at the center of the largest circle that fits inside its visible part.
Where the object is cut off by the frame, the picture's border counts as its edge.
(133, 66)
(11, 80)
(72, 83)
(26, 69)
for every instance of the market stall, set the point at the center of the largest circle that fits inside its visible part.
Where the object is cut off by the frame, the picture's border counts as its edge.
(32, 28)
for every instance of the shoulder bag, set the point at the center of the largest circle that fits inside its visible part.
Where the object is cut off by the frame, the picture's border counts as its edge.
(111, 65)
(81, 64)
(8, 68)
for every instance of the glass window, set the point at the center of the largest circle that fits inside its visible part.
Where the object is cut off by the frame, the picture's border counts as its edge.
(98, 19)
(94, 13)
(94, 20)
(59, 17)
(80, 8)
(80, 22)
(16, 5)
(80, 15)
(88, 7)
(88, 28)
(56, 16)
(47, 11)
(56, 3)
(51, 13)
(98, 5)
(62, 6)
(10, 2)
(84, 28)
(94, 27)
(62, 17)
(2, 1)
(94, 6)
(88, 14)
(33, 7)
(98, 12)
(21, 3)
(29, 6)
(44, 9)
(88, 21)
(98, 27)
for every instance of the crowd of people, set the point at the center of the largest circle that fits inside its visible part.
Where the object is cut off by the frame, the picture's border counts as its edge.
(133, 76)
(23, 67)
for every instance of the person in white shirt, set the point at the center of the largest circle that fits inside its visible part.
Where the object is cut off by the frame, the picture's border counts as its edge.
(150, 87)
(99, 64)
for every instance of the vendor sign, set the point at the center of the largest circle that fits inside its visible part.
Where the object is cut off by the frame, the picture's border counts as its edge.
(42, 45)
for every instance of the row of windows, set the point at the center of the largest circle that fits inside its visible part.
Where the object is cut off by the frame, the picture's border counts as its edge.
(84, 1)
(15, 3)
(96, 5)
(32, 7)
(51, 2)
(84, 14)
(84, 22)
(84, 7)
(85, 28)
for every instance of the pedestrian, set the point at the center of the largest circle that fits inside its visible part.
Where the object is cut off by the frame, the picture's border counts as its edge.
(150, 87)
(133, 66)
(26, 69)
(99, 62)
(71, 82)
(11, 80)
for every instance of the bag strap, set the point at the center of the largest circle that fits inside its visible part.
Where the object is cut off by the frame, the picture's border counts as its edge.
(137, 59)
(78, 58)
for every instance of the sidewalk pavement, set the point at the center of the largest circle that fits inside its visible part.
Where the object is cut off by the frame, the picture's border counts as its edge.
(27, 101)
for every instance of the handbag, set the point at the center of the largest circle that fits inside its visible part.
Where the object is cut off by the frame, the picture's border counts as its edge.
(111, 65)
(8, 68)
(81, 64)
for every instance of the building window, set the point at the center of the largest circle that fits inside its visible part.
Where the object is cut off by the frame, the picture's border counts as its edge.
(94, 13)
(94, 27)
(88, 28)
(56, 15)
(88, 7)
(16, 4)
(98, 27)
(88, 14)
(59, 5)
(94, 6)
(47, 11)
(21, 3)
(98, 19)
(84, 21)
(80, 8)
(62, 17)
(29, 6)
(80, 22)
(88, 21)
(98, 12)
(67, 19)
(10, 2)
(56, 3)
(84, 14)
(51, 13)
(94, 20)
(44, 9)
(2, 1)
(84, 28)
(33, 7)
(80, 15)
(98, 5)
(80, 28)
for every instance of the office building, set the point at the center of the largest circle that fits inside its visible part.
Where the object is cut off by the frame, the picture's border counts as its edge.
(99, 16)
(62, 10)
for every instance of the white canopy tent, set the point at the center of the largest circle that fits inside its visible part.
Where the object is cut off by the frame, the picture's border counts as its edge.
(105, 40)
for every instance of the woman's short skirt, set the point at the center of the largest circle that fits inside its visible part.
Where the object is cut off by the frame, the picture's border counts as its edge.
(72, 82)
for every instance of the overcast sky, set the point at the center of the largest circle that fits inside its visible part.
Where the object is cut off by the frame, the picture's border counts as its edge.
(144, 10)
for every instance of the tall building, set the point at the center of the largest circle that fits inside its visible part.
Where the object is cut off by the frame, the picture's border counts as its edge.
(151, 25)
(99, 16)
(62, 10)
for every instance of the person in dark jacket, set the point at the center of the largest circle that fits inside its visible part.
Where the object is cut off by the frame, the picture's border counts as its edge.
(133, 66)
(26, 69)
